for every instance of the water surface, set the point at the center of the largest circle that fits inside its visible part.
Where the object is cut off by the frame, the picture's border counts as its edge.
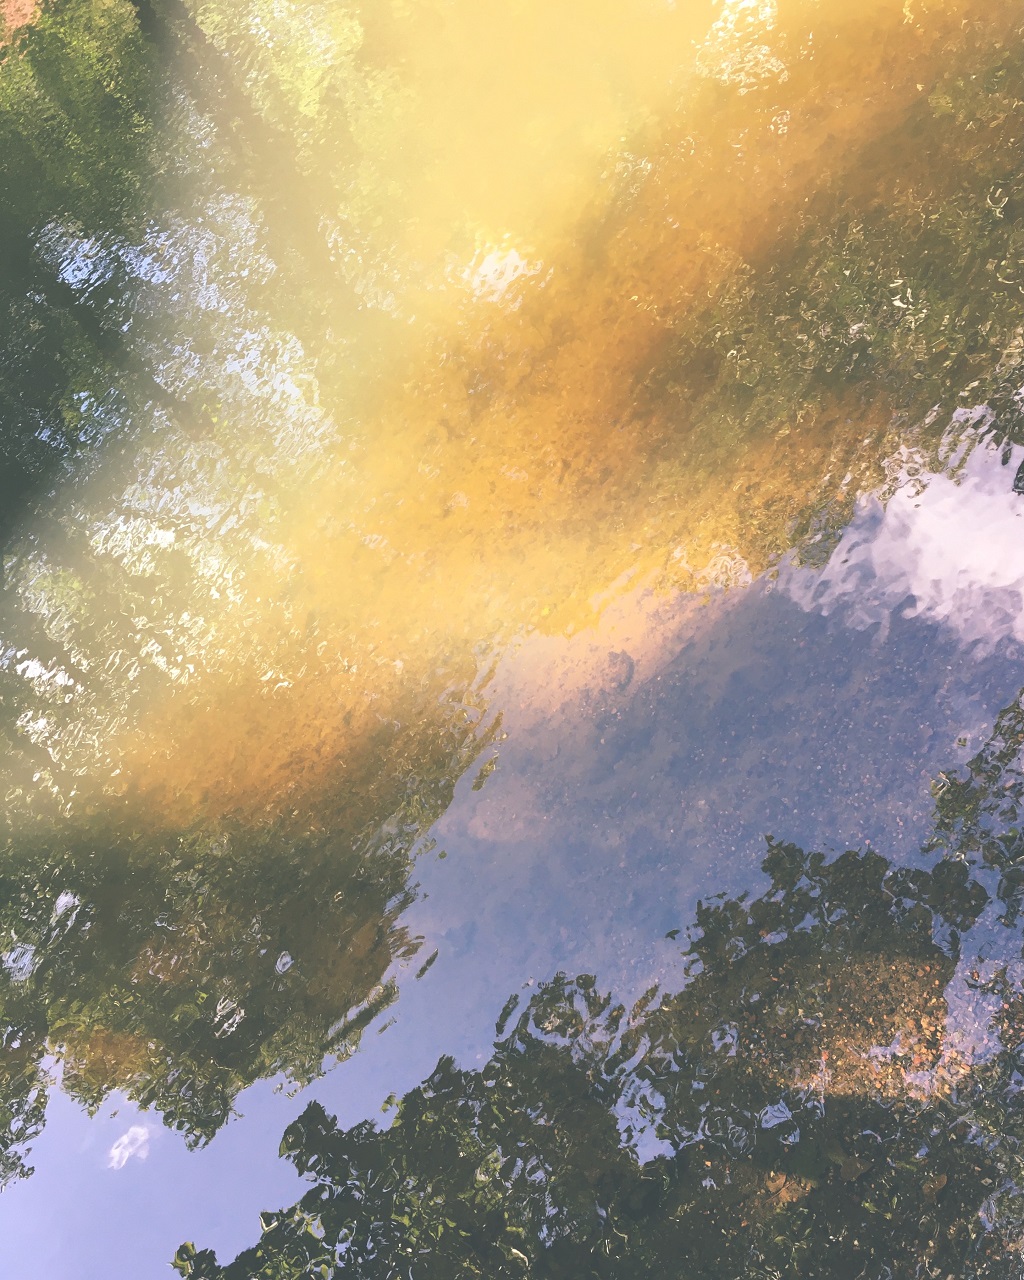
(511, 639)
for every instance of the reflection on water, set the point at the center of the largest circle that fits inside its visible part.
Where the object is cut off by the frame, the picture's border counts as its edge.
(271, 519)
(909, 555)
(567, 439)
(810, 1114)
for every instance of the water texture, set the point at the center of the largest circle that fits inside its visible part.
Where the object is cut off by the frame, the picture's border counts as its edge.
(511, 639)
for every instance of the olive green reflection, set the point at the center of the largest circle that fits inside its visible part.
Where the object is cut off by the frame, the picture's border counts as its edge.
(78, 91)
(180, 966)
(813, 1119)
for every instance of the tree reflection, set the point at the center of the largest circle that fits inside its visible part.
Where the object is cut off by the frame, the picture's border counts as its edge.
(77, 98)
(237, 668)
(978, 808)
(811, 1114)
(180, 966)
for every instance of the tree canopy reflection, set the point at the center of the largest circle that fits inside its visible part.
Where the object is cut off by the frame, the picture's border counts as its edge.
(179, 966)
(305, 445)
(811, 1116)
(814, 1105)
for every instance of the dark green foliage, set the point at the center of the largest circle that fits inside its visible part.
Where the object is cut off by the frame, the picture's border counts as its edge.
(789, 1146)
(78, 92)
(76, 102)
(978, 808)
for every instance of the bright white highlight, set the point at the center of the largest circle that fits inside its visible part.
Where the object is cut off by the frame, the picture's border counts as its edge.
(133, 1143)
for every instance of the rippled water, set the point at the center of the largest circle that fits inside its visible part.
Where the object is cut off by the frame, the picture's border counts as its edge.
(511, 639)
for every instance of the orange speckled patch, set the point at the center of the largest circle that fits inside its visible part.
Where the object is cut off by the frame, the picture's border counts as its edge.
(15, 14)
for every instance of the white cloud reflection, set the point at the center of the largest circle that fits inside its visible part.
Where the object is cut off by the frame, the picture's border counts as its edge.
(951, 553)
(135, 1142)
